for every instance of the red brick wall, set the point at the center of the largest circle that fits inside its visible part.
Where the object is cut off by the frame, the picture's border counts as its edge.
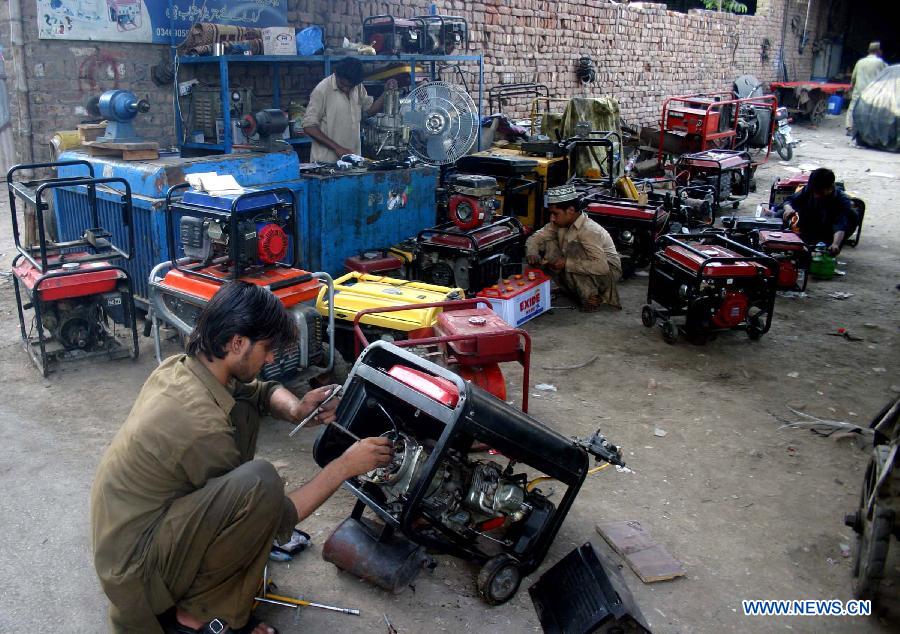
(643, 53)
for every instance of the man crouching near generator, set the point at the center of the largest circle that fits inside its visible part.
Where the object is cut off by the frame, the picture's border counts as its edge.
(183, 517)
(577, 251)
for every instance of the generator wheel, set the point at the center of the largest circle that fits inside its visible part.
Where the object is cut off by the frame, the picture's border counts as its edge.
(669, 331)
(499, 579)
(755, 327)
(648, 318)
(872, 542)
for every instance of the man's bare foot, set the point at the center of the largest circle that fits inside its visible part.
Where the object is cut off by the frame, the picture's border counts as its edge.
(186, 619)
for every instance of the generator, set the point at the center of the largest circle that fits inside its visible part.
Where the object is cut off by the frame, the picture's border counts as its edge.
(469, 259)
(392, 36)
(441, 492)
(728, 172)
(633, 227)
(375, 262)
(714, 283)
(745, 229)
(443, 34)
(356, 292)
(784, 188)
(471, 201)
(76, 293)
(792, 255)
(249, 237)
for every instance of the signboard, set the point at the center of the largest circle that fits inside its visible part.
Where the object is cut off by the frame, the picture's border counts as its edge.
(156, 21)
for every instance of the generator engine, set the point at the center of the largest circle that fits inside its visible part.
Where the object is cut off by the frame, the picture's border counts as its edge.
(471, 200)
(441, 491)
(386, 136)
(792, 255)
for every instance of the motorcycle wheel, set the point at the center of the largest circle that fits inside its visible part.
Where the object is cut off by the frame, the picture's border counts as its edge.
(785, 151)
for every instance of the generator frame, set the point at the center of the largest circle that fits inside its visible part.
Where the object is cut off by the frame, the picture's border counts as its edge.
(666, 271)
(649, 220)
(94, 247)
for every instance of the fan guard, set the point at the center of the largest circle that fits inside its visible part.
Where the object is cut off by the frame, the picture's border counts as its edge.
(443, 122)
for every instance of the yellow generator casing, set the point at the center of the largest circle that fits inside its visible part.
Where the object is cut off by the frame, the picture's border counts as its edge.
(354, 292)
(549, 172)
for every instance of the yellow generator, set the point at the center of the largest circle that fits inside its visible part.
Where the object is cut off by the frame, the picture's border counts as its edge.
(521, 180)
(354, 292)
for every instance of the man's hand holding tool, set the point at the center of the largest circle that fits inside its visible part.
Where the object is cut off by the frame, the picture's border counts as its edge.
(317, 407)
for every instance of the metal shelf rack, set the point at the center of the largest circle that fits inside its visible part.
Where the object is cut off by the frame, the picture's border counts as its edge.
(276, 61)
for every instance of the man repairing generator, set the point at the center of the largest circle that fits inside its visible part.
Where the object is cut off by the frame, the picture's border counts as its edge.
(578, 252)
(183, 518)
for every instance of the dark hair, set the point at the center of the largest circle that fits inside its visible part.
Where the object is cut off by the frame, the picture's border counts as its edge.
(350, 70)
(241, 308)
(821, 179)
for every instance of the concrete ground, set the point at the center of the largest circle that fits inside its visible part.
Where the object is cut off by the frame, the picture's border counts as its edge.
(753, 511)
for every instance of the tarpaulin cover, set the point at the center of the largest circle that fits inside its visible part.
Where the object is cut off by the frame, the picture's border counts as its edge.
(601, 112)
(876, 118)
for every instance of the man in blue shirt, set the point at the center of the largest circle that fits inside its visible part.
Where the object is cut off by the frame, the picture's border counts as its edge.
(821, 213)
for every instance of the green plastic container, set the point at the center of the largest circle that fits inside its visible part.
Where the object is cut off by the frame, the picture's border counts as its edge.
(822, 265)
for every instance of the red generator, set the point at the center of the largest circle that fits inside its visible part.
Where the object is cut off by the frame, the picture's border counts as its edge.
(471, 251)
(792, 255)
(472, 340)
(634, 227)
(714, 283)
(75, 293)
(728, 172)
(392, 36)
(375, 262)
(784, 188)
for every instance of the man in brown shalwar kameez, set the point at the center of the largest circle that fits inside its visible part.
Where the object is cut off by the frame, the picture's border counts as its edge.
(578, 252)
(183, 517)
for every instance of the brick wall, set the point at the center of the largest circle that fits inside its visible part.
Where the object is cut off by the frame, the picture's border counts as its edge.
(643, 53)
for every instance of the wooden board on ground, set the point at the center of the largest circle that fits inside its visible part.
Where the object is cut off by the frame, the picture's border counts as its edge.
(128, 151)
(649, 560)
(88, 132)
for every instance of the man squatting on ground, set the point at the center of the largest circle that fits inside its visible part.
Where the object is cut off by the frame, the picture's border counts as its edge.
(183, 517)
(821, 213)
(578, 252)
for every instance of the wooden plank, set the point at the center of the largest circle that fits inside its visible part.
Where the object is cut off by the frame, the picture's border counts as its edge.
(139, 155)
(649, 560)
(90, 131)
(99, 151)
(111, 145)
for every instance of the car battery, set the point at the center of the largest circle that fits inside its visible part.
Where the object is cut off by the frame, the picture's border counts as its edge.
(355, 291)
(521, 297)
(470, 259)
(792, 255)
(633, 227)
(376, 262)
(482, 349)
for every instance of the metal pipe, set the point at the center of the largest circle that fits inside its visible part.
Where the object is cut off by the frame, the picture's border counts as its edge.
(23, 95)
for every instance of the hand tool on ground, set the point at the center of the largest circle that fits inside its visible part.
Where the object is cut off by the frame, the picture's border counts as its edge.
(290, 602)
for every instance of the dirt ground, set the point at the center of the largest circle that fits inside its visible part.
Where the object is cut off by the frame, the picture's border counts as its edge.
(753, 512)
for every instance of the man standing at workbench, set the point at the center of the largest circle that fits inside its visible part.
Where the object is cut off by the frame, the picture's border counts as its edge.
(864, 73)
(577, 251)
(336, 108)
(183, 517)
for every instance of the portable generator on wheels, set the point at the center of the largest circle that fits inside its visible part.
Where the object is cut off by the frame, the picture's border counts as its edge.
(249, 237)
(728, 172)
(441, 492)
(634, 227)
(472, 249)
(76, 293)
(472, 340)
(714, 283)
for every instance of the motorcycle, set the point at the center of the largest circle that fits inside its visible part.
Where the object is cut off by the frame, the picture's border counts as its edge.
(783, 141)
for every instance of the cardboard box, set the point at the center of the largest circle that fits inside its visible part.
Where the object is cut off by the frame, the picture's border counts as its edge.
(279, 40)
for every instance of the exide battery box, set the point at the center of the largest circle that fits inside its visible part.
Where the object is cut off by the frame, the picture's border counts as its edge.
(519, 298)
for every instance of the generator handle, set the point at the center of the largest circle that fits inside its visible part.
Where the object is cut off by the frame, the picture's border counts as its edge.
(450, 305)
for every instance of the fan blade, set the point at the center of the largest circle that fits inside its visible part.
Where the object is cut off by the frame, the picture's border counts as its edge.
(437, 148)
(464, 127)
(415, 119)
